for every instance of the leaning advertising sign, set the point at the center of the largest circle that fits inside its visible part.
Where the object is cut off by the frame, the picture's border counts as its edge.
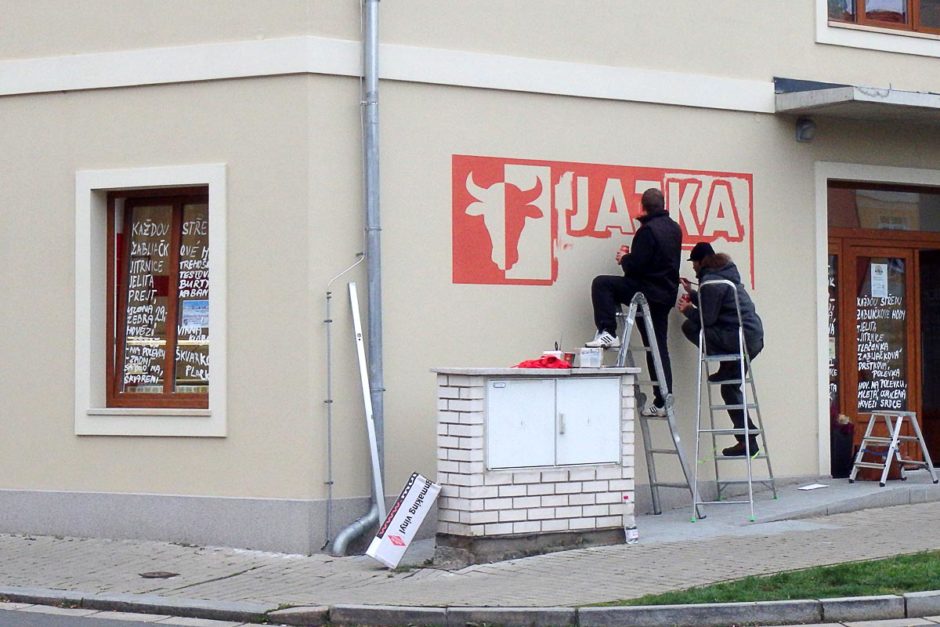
(404, 520)
(512, 217)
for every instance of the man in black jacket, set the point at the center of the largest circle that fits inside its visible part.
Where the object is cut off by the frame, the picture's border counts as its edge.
(652, 267)
(720, 317)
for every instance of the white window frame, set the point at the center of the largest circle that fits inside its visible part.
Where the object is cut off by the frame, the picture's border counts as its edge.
(92, 416)
(872, 38)
(826, 171)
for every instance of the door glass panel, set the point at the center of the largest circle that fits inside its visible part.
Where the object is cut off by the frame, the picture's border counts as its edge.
(894, 11)
(930, 349)
(146, 292)
(834, 408)
(881, 334)
(930, 13)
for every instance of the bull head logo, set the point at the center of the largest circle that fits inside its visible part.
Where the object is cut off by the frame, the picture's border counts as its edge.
(504, 209)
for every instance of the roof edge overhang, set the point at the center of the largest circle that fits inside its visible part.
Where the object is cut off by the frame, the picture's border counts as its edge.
(811, 98)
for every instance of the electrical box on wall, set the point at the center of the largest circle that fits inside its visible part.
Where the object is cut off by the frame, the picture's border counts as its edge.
(552, 422)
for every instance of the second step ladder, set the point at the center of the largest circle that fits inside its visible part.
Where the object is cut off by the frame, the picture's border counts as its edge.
(639, 306)
(891, 446)
(748, 433)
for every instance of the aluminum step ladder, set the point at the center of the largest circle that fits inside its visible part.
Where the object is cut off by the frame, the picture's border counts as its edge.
(750, 404)
(639, 306)
(894, 421)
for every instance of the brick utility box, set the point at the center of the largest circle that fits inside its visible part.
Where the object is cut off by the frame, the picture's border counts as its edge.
(533, 460)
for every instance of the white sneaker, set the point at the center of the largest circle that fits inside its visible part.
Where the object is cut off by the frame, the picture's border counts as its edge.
(603, 339)
(653, 410)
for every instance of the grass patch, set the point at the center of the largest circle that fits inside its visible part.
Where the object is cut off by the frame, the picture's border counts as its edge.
(895, 575)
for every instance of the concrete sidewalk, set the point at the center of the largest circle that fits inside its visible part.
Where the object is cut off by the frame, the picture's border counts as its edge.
(841, 522)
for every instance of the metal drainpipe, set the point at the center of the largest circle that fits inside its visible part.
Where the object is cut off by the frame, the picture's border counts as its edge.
(370, 127)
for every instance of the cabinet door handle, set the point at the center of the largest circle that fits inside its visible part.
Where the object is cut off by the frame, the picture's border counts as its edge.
(561, 424)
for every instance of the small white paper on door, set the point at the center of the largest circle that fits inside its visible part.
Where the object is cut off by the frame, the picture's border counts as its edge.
(879, 280)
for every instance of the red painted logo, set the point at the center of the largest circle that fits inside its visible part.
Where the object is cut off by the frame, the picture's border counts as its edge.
(512, 217)
(396, 540)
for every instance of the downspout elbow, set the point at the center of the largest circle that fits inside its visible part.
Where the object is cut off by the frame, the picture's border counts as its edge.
(353, 531)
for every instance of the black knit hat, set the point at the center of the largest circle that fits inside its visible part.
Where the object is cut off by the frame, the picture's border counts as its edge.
(700, 251)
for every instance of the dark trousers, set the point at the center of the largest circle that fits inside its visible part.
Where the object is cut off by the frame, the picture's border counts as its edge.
(723, 342)
(608, 293)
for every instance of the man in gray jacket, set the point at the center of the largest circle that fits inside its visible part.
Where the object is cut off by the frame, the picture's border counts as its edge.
(720, 318)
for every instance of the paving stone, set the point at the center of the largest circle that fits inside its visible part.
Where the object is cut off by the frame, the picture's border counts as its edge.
(60, 611)
(13, 606)
(131, 616)
(197, 622)
(895, 622)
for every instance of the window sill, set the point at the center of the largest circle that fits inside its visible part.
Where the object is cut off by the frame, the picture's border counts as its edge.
(883, 30)
(875, 38)
(149, 411)
(151, 421)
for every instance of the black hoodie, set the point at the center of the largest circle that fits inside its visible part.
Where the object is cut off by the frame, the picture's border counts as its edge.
(654, 258)
(717, 305)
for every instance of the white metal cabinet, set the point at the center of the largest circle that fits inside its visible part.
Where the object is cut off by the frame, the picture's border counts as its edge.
(520, 428)
(588, 414)
(548, 422)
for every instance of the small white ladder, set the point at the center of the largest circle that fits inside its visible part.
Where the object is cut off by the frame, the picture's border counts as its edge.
(749, 397)
(894, 421)
(639, 306)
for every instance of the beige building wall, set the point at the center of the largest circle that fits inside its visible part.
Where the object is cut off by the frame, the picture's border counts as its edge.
(290, 145)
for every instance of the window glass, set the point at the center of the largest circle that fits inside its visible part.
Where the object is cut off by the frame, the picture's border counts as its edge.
(145, 298)
(901, 209)
(930, 13)
(894, 11)
(192, 343)
(842, 10)
(159, 292)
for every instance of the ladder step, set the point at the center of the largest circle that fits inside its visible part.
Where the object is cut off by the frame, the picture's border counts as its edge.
(723, 502)
(671, 485)
(730, 381)
(661, 418)
(736, 406)
(723, 357)
(738, 457)
(664, 451)
(869, 465)
(880, 440)
(766, 482)
(731, 431)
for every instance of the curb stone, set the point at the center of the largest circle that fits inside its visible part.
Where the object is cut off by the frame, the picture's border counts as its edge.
(886, 607)
(848, 609)
(387, 615)
(41, 596)
(705, 614)
(303, 615)
(193, 608)
(919, 604)
(512, 616)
